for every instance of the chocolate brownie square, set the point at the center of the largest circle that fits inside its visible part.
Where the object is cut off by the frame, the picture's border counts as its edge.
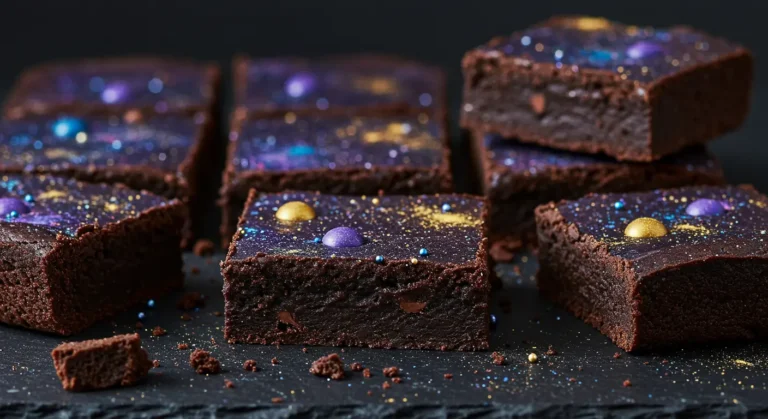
(384, 272)
(337, 155)
(74, 253)
(115, 86)
(101, 363)
(591, 85)
(361, 85)
(662, 268)
(168, 155)
(517, 177)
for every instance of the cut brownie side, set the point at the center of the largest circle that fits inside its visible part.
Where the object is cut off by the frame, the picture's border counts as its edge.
(517, 177)
(76, 253)
(383, 272)
(663, 268)
(590, 85)
(351, 85)
(338, 155)
(166, 155)
(115, 86)
(101, 363)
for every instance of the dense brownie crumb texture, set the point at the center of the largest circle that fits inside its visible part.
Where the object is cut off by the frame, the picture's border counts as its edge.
(413, 261)
(101, 363)
(687, 265)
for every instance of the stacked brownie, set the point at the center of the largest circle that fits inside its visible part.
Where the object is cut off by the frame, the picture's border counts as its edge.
(577, 104)
(345, 125)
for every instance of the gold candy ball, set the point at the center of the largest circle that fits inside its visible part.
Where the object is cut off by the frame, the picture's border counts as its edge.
(295, 211)
(645, 227)
(533, 358)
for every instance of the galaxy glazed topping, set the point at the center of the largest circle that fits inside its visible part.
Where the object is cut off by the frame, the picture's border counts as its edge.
(666, 227)
(299, 143)
(641, 54)
(160, 142)
(531, 159)
(417, 229)
(61, 206)
(348, 83)
(161, 85)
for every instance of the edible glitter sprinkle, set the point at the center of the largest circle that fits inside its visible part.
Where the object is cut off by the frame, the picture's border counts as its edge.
(619, 204)
(141, 315)
(640, 54)
(379, 259)
(446, 208)
(151, 303)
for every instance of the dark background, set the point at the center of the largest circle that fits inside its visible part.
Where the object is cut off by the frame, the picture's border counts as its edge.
(436, 31)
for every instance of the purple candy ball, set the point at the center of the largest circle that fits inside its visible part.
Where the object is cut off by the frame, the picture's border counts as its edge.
(9, 205)
(343, 237)
(115, 92)
(643, 49)
(299, 84)
(704, 207)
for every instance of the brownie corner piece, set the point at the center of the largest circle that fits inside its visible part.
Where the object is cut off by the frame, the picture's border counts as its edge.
(660, 269)
(308, 268)
(101, 363)
(592, 85)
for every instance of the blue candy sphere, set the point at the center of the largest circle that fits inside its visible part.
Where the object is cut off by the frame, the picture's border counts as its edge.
(141, 315)
(151, 303)
(68, 127)
(423, 252)
(619, 205)
(446, 207)
(379, 259)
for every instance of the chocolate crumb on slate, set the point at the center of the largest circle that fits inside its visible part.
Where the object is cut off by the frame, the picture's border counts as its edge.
(139, 325)
(186, 317)
(203, 362)
(274, 361)
(391, 372)
(356, 366)
(182, 346)
(664, 361)
(397, 380)
(158, 331)
(250, 365)
(498, 359)
(627, 383)
(229, 384)
(448, 376)
(304, 350)
(646, 363)
(156, 363)
(551, 351)
(367, 373)
(191, 300)
(616, 355)
(277, 400)
(217, 313)
(370, 393)
(386, 385)
(572, 380)
(203, 247)
(195, 270)
(328, 366)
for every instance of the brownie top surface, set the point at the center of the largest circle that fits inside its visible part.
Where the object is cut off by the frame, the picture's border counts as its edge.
(638, 53)
(161, 142)
(47, 204)
(699, 223)
(337, 143)
(513, 156)
(161, 84)
(322, 84)
(393, 227)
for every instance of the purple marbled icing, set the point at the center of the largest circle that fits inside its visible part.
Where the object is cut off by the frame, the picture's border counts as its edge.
(642, 54)
(394, 227)
(61, 206)
(337, 143)
(322, 84)
(57, 143)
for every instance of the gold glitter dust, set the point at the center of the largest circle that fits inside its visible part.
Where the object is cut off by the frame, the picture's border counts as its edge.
(692, 228)
(112, 207)
(376, 85)
(375, 201)
(290, 118)
(591, 23)
(60, 153)
(433, 217)
(743, 362)
(54, 194)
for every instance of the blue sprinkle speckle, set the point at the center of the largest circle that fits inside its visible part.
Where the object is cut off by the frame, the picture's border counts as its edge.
(317, 240)
(151, 303)
(446, 207)
(493, 319)
(29, 198)
(141, 315)
(619, 205)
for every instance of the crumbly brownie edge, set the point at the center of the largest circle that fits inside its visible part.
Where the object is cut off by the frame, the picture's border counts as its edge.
(577, 272)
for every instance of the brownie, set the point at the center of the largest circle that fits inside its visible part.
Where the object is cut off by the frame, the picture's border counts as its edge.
(350, 85)
(662, 268)
(392, 271)
(74, 253)
(337, 155)
(101, 363)
(591, 85)
(516, 177)
(168, 155)
(115, 86)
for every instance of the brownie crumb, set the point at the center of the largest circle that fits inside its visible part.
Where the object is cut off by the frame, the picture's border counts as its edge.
(182, 346)
(580, 368)
(498, 359)
(275, 361)
(139, 325)
(195, 270)
(356, 366)
(229, 384)
(391, 372)
(203, 362)
(277, 400)
(386, 385)
(304, 350)
(551, 351)
(572, 380)
(217, 313)
(616, 355)
(370, 393)
(664, 361)
(448, 376)
(156, 363)
(367, 373)
(203, 247)
(250, 365)
(186, 317)
(397, 380)
(627, 383)
(158, 331)
(328, 366)
(191, 300)
(646, 363)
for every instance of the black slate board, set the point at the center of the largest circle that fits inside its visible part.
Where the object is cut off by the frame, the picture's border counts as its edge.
(583, 379)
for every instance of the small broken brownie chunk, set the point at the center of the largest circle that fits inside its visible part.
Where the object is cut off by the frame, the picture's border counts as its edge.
(328, 366)
(101, 363)
(391, 372)
(191, 300)
(203, 362)
(250, 365)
